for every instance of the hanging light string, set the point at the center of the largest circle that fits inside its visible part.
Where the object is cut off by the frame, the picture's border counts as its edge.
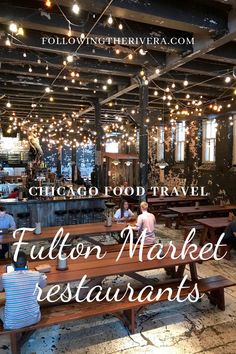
(75, 52)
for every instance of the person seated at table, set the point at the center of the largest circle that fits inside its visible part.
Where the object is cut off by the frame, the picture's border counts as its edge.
(230, 235)
(21, 307)
(146, 221)
(124, 213)
(14, 194)
(6, 222)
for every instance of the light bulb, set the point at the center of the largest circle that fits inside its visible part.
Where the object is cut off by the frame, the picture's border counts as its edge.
(173, 85)
(69, 58)
(21, 31)
(120, 26)
(47, 89)
(66, 88)
(157, 71)
(75, 8)
(142, 72)
(155, 93)
(82, 35)
(39, 61)
(8, 42)
(142, 51)
(8, 104)
(24, 55)
(110, 20)
(109, 81)
(13, 27)
(227, 79)
(104, 87)
(30, 69)
(69, 32)
(117, 51)
(51, 99)
(130, 56)
(48, 3)
(146, 82)
(95, 80)
(185, 82)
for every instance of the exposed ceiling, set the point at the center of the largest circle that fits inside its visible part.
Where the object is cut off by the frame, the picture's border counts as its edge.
(34, 61)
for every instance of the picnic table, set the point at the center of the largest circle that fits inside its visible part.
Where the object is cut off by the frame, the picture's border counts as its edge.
(185, 212)
(212, 228)
(80, 230)
(176, 200)
(98, 269)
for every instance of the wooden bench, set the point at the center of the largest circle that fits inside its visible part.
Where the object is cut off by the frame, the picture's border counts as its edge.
(188, 228)
(169, 219)
(125, 310)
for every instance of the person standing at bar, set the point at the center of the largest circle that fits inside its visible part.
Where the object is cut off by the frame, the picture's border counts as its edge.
(6, 222)
(146, 222)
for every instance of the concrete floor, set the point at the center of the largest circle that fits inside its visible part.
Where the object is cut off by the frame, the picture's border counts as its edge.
(168, 328)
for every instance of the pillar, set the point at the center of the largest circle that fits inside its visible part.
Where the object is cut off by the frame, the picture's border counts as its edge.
(98, 155)
(143, 139)
(73, 154)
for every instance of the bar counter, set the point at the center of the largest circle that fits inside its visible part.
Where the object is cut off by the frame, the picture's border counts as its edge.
(43, 211)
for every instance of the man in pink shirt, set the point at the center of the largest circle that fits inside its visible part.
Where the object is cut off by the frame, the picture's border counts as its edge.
(146, 222)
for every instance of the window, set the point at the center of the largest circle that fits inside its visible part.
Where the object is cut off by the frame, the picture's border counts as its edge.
(180, 141)
(112, 146)
(160, 143)
(209, 141)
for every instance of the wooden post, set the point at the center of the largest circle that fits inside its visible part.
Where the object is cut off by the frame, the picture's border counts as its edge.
(143, 138)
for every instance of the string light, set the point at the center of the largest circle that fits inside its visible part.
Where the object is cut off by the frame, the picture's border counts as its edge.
(130, 56)
(110, 20)
(8, 104)
(120, 26)
(173, 85)
(227, 79)
(48, 3)
(157, 71)
(21, 31)
(30, 69)
(66, 88)
(142, 51)
(142, 72)
(24, 55)
(51, 99)
(75, 8)
(104, 87)
(8, 42)
(95, 80)
(47, 89)
(13, 27)
(155, 93)
(109, 81)
(69, 58)
(117, 51)
(185, 82)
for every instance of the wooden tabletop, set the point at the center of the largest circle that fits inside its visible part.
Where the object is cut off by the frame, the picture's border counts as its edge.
(202, 209)
(176, 199)
(108, 266)
(215, 223)
(48, 233)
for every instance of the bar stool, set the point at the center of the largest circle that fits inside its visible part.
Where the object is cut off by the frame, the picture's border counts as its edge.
(60, 217)
(23, 219)
(73, 216)
(86, 215)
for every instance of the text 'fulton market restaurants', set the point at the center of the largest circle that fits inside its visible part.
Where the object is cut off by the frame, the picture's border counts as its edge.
(117, 176)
